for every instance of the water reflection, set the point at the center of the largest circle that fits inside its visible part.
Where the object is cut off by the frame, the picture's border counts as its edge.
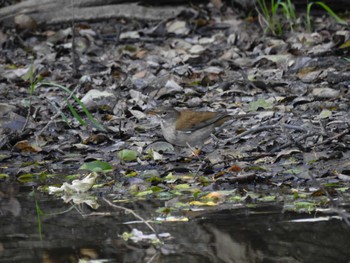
(240, 235)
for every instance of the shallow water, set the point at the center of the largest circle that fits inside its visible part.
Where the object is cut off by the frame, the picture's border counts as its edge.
(262, 234)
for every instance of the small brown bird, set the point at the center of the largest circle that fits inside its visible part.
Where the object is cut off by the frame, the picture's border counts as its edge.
(189, 127)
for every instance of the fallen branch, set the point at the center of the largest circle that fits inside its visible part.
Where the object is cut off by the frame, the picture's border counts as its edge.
(56, 12)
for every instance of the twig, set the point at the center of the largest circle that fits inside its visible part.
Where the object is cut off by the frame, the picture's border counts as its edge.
(333, 137)
(28, 114)
(153, 257)
(200, 167)
(254, 130)
(134, 214)
(323, 128)
(301, 138)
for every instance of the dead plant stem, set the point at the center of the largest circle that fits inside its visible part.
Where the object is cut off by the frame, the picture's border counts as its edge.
(133, 213)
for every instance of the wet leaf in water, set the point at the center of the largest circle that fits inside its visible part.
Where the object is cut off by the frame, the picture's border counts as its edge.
(4, 176)
(27, 178)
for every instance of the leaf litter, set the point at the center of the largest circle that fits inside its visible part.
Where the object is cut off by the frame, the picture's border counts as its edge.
(199, 60)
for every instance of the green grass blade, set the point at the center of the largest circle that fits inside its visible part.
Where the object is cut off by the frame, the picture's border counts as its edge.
(328, 10)
(288, 11)
(86, 111)
(274, 7)
(264, 9)
(39, 213)
(63, 116)
(331, 13)
(308, 17)
(90, 117)
(75, 114)
(291, 9)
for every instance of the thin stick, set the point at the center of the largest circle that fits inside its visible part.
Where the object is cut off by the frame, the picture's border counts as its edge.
(133, 213)
(257, 129)
(153, 257)
(301, 138)
(346, 131)
(28, 115)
